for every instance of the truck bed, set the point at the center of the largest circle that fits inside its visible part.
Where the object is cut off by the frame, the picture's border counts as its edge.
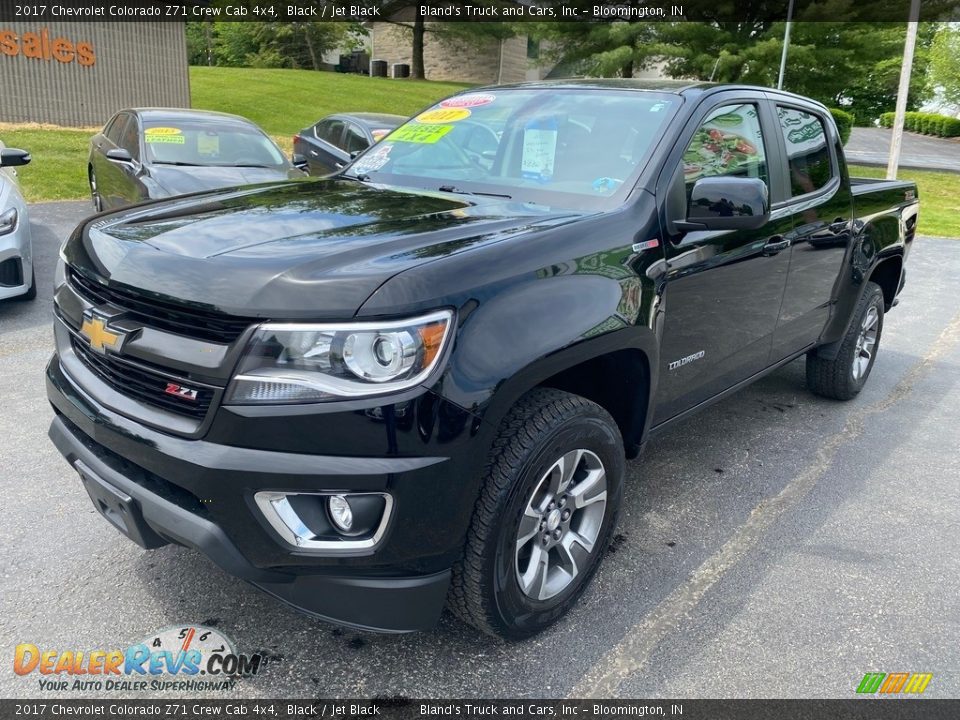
(862, 186)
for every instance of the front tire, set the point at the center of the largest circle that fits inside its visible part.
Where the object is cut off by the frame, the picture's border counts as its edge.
(551, 492)
(843, 377)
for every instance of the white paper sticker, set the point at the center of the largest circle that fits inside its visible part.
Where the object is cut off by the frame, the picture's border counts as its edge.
(539, 153)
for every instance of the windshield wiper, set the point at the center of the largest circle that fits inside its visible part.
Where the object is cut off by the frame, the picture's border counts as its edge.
(176, 162)
(458, 191)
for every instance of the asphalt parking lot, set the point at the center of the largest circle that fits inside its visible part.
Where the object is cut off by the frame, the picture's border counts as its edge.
(777, 545)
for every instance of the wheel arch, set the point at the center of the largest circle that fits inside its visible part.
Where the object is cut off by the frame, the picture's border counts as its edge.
(614, 371)
(887, 274)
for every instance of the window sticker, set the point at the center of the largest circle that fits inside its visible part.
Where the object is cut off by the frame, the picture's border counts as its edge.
(373, 160)
(163, 131)
(208, 143)
(165, 139)
(469, 100)
(539, 151)
(422, 134)
(440, 116)
(379, 134)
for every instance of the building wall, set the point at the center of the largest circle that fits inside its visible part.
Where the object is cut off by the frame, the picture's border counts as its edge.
(134, 64)
(488, 62)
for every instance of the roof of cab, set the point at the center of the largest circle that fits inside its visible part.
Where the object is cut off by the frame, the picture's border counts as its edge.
(674, 87)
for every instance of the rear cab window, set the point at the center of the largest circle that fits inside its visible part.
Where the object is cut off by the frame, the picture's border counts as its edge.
(809, 162)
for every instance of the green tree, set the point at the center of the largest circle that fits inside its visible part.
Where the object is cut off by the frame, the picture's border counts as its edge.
(944, 72)
(847, 64)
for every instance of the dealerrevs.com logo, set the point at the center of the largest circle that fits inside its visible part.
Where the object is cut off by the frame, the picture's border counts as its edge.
(191, 658)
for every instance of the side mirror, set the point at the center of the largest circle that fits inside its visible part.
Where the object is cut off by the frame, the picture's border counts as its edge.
(299, 161)
(12, 157)
(119, 155)
(728, 203)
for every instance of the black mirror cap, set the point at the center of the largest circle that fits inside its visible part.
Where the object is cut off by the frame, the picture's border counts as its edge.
(729, 203)
(119, 155)
(12, 157)
(299, 161)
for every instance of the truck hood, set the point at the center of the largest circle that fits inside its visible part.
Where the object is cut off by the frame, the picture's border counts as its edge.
(314, 249)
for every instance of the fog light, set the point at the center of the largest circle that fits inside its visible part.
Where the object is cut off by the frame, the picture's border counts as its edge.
(340, 512)
(327, 523)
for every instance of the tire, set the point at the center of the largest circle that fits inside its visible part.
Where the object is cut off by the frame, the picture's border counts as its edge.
(843, 377)
(521, 476)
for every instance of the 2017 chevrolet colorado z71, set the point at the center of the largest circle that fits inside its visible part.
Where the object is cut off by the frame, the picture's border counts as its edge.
(416, 381)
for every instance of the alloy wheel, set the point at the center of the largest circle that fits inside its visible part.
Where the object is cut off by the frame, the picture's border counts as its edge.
(866, 342)
(560, 525)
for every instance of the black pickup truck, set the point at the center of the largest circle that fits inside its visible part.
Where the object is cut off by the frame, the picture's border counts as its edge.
(416, 383)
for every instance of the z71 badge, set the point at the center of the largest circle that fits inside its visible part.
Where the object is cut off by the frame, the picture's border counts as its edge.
(181, 391)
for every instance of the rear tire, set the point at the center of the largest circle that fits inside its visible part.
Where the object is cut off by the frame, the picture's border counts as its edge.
(843, 377)
(548, 504)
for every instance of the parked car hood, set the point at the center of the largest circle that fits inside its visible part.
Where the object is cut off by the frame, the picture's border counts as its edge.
(181, 180)
(293, 250)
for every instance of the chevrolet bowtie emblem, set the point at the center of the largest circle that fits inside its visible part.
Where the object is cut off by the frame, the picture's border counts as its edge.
(95, 330)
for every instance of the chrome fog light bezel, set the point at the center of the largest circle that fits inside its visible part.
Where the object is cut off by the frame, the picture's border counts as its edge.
(282, 517)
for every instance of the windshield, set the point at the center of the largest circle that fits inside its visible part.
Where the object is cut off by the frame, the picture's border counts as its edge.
(183, 143)
(563, 147)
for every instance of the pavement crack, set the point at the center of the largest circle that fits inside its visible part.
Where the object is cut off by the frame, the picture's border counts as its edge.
(633, 652)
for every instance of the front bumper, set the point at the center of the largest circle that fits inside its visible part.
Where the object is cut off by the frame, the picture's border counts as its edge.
(16, 262)
(199, 494)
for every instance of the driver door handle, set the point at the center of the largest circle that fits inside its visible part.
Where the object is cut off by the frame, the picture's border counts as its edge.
(775, 244)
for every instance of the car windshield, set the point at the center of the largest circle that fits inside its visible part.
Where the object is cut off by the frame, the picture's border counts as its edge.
(185, 143)
(559, 147)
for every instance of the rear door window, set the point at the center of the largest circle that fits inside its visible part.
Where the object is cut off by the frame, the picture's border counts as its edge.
(808, 152)
(330, 131)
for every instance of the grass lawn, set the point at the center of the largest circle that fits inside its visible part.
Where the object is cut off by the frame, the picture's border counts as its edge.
(939, 197)
(280, 101)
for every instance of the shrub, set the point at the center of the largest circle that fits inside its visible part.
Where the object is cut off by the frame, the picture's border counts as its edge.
(844, 121)
(950, 127)
(886, 119)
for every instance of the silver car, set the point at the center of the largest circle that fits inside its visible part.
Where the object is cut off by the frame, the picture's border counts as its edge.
(16, 250)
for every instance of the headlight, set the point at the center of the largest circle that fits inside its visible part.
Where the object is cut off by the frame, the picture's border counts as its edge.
(8, 221)
(291, 363)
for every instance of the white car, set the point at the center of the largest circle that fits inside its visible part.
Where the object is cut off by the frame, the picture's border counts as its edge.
(16, 252)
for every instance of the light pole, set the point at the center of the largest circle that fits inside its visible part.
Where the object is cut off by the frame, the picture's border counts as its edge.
(904, 90)
(786, 44)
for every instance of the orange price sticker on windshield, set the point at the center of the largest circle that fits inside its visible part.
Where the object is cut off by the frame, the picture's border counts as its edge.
(443, 115)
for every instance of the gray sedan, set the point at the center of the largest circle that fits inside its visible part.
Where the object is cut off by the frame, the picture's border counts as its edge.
(151, 153)
(16, 250)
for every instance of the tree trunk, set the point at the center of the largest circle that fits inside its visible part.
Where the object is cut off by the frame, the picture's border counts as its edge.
(416, 69)
(627, 70)
(313, 53)
(208, 34)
